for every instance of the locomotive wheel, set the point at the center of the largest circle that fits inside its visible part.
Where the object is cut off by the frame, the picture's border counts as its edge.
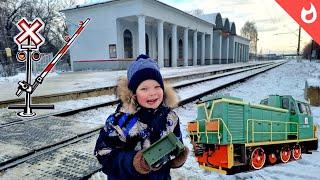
(272, 158)
(258, 158)
(296, 152)
(285, 154)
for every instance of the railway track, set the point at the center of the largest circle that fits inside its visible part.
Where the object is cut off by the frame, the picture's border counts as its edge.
(80, 94)
(182, 84)
(60, 145)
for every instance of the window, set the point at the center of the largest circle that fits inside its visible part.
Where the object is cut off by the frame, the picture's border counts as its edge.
(180, 49)
(308, 109)
(285, 103)
(157, 48)
(292, 108)
(112, 51)
(264, 102)
(147, 45)
(303, 109)
(127, 43)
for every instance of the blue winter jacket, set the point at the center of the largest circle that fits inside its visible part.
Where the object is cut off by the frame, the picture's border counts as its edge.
(124, 134)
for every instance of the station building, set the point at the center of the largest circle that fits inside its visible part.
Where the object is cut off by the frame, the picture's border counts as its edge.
(120, 30)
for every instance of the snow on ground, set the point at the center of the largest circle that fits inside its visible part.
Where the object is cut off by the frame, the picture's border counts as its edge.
(288, 79)
(75, 81)
(64, 105)
(20, 77)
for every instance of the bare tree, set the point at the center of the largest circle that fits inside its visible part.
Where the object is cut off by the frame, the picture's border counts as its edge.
(307, 50)
(249, 30)
(11, 11)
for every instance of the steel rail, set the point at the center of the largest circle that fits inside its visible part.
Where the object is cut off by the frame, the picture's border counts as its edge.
(113, 102)
(73, 95)
(35, 153)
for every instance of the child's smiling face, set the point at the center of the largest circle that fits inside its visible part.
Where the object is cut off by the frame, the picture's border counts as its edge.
(149, 94)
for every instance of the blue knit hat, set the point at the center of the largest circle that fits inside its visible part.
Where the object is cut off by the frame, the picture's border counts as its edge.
(142, 69)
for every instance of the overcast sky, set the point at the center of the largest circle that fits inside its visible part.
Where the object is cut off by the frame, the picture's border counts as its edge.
(277, 31)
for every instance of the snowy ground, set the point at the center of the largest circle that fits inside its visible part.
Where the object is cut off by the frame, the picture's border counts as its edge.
(287, 79)
(71, 81)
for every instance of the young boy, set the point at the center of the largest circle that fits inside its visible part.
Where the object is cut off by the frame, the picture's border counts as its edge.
(144, 116)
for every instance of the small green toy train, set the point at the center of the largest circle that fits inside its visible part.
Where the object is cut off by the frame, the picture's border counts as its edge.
(163, 151)
(230, 135)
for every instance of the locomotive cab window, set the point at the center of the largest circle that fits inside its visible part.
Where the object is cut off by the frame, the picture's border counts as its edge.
(285, 103)
(308, 109)
(264, 102)
(302, 108)
(292, 108)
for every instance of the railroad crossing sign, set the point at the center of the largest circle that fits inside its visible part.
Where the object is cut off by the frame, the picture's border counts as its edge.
(29, 36)
(29, 40)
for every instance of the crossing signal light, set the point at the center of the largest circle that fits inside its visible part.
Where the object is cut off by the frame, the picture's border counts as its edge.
(36, 56)
(21, 56)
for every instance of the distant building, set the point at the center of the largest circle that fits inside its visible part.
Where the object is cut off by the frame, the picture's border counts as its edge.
(120, 30)
(271, 56)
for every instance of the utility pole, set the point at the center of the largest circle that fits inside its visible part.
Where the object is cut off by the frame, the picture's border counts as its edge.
(298, 50)
(311, 49)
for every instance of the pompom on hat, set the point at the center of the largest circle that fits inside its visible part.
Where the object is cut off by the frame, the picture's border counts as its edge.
(143, 68)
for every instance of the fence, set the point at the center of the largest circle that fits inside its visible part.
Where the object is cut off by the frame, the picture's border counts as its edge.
(38, 66)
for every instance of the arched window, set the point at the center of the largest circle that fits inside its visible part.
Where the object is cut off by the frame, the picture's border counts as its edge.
(127, 43)
(180, 49)
(147, 44)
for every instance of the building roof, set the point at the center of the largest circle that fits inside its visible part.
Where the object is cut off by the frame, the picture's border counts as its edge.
(226, 24)
(233, 30)
(155, 1)
(214, 18)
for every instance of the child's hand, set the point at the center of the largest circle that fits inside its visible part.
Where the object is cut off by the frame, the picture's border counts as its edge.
(140, 164)
(181, 159)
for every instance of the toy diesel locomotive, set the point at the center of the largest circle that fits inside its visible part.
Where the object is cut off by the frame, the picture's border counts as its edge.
(231, 135)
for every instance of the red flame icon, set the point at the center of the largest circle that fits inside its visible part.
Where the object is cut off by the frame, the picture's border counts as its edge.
(304, 12)
(312, 11)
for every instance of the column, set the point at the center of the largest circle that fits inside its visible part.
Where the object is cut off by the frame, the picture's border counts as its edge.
(235, 52)
(248, 53)
(174, 45)
(228, 50)
(142, 34)
(203, 50)
(220, 49)
(242, 51)
(160, 44)
(211, 50)
(239, 52)
(245, 53)
(185, 47)
(195, 47)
